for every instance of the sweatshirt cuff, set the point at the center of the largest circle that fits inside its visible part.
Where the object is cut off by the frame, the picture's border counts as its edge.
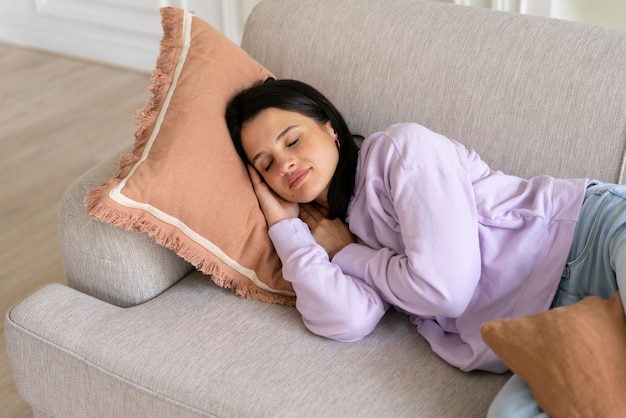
(289, 235)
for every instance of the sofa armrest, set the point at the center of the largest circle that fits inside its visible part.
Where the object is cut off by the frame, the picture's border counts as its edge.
(117, 266)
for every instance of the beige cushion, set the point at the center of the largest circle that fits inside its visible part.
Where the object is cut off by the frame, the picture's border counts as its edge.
(200, 351)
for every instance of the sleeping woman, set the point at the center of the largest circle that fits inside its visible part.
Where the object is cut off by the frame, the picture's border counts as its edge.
(415, 221)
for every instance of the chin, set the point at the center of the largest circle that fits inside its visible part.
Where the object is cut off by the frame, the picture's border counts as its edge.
(300, 198)
(295, 199)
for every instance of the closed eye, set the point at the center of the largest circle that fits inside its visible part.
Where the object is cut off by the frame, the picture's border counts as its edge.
(271, 162)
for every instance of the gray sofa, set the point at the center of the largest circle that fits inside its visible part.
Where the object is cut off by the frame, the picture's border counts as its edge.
(138, 333)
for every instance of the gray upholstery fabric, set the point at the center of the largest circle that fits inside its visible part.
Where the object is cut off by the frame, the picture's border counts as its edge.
(531, 95)
(198, 349)
(40, 414)
(115, 265)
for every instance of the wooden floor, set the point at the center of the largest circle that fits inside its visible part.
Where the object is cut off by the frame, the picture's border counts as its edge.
(58, 117)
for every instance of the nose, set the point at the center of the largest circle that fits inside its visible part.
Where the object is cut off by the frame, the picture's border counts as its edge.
(286, 164)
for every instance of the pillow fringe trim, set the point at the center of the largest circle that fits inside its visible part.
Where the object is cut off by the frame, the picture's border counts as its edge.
(218, 274)
(161, 75)
(171, 19)
(160, 83)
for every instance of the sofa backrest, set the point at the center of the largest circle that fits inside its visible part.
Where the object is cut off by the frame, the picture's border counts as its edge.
(532, 95)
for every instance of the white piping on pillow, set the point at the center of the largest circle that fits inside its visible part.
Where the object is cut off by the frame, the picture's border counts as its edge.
(117, 195)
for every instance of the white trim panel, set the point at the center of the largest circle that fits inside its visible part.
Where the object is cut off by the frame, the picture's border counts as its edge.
(116, 32)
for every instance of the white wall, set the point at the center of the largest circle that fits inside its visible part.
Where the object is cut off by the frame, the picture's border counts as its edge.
(599, 12)
(118, 32)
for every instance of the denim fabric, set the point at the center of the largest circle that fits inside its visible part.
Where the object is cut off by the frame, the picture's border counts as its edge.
(597, 260)
(596, 266)
(515, 400)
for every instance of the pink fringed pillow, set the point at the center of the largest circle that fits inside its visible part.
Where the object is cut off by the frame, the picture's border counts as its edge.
(183, 183)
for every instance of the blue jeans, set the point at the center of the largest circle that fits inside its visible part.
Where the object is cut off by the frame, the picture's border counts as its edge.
(596, 266)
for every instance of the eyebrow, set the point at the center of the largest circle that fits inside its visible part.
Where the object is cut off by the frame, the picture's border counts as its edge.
(278, 138)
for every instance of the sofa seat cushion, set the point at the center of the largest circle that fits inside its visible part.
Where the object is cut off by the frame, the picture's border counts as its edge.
(200, 350)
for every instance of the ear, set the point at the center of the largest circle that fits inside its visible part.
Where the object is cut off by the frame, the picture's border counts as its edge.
(330, 130)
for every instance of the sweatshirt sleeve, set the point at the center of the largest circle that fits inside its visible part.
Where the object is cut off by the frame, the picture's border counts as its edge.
(332, 304)
(431, 202)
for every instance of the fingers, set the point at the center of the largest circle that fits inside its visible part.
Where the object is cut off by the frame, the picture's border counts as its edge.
(306, 217)
(310, 216)
(311, 212)
(274, 208)
(262, 192)
(254, 175)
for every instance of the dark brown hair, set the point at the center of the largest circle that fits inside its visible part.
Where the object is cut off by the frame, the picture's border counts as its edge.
(296, 96)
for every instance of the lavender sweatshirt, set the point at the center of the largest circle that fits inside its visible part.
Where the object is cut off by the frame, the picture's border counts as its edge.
(440, 237)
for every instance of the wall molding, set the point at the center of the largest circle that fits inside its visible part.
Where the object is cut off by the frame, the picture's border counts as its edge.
(115, 32)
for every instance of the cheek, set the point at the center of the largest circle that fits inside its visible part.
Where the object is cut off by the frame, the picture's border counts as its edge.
(272, 181)
(331, 156)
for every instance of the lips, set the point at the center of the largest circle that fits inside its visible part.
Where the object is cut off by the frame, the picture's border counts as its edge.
(297, 178)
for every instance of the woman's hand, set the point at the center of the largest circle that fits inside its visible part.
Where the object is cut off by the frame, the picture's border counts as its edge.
(275, 208)
(332, 235)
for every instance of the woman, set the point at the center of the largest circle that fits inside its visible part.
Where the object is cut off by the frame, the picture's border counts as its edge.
(429, 228)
